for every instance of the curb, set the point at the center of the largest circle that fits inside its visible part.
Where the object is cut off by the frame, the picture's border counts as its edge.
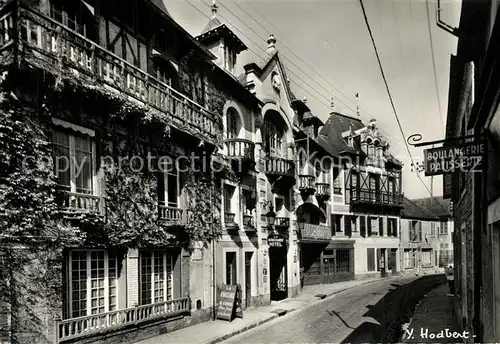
(244, 329)
(276, 316)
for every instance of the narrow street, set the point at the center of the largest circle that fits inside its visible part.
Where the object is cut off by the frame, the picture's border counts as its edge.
(359, 315)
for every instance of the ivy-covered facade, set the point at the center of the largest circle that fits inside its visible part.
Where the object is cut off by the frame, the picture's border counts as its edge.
(109, 127)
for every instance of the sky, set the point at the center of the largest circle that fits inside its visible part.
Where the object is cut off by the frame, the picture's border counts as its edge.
(328, 54)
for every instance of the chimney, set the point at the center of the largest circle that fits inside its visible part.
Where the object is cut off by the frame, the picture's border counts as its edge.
(373, 123)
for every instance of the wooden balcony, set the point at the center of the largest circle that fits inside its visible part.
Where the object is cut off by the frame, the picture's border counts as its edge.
(316, 232)
(306, 183)
(323, 190)
(44, 43)
(279, 167)
(170, 214)
(78, 202)
(375, 197)
(71, 329)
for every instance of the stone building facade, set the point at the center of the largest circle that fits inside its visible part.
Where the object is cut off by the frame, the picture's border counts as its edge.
(472, 111)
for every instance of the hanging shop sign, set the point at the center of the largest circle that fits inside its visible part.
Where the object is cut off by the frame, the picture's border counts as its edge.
(275, 240)
(465, 157)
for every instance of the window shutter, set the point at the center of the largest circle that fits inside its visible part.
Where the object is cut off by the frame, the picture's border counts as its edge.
(381, 226)
(332, 224)
(160, 183)
(347, 225)
(362, 226)
(368, 219)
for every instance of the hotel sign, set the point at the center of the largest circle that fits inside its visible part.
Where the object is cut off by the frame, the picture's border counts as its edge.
(465, 157)
(275, 240)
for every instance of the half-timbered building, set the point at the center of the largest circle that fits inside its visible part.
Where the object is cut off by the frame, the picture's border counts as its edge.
(366, 200)
(121, 79)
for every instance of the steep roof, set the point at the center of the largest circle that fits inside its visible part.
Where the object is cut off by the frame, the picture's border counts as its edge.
(412, 210)
(439, 206)
(330, 136)
(160, 7)
(213, 23)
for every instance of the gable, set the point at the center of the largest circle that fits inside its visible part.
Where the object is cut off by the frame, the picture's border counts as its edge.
(275, 88)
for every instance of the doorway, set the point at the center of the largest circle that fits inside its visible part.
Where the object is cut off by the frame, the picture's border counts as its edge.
(278, 272)
(248, 279)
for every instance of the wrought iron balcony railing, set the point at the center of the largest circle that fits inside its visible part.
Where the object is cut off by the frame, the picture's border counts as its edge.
(282, 222)
(70, 329)
(240, 149)
(170, 214)
(307, 183)
(44, 42)
(316, 232)
(248, 223)
(323, 190)
(279, 166)
(369, 196)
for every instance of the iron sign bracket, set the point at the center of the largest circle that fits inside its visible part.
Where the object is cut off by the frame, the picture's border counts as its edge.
(413, 139)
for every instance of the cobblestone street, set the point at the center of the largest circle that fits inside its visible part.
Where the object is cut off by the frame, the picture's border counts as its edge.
(368, 313)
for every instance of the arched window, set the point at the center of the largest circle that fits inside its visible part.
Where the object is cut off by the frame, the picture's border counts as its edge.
(370, 148)
(317, 170)
(233, 125)
(274, 134)
(302, 157)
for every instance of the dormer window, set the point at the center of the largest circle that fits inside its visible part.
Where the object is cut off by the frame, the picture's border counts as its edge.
(350, 141)
(229, 59)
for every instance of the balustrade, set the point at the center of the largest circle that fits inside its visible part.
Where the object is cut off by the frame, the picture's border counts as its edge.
(173, 214)
(47, 42)
(70, 329)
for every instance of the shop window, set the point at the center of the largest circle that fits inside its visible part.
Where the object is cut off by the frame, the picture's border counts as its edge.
(408, 259)
(370, 257)
(426, 258)
(157, 276)
(343, 259)
(231, 268)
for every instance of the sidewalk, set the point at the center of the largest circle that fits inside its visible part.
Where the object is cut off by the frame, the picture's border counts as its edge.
(432, 316)
(211, 332)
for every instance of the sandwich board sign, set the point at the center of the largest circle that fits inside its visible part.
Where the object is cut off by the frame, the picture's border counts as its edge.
(230, 303)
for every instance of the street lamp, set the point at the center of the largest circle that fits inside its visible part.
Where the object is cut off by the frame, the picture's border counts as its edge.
(270, 217)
